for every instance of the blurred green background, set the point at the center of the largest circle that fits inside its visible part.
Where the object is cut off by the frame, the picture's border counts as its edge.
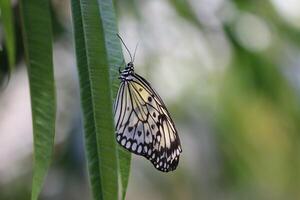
(229, 72)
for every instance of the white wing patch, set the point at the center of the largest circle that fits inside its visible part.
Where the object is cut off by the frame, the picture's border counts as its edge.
(143, 124)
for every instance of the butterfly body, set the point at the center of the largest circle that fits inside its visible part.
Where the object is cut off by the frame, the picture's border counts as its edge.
(143, 124)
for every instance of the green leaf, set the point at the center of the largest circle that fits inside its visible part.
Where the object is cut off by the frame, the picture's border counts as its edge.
(37, 36)
(93, 66)
(6, 14)
(115, 59)
(124, 167)
(185, 10)
(86, 101)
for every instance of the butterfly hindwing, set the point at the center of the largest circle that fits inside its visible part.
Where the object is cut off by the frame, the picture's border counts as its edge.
(143, 124)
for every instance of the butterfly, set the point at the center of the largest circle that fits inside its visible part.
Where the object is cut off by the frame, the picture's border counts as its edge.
(142, 122)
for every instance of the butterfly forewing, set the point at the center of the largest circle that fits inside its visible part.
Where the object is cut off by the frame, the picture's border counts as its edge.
(143, 124)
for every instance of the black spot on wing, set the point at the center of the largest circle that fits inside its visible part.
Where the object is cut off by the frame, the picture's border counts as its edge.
(154, 114)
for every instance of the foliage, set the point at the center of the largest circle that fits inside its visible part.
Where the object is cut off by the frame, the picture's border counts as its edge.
(97, 48)
(38, 50)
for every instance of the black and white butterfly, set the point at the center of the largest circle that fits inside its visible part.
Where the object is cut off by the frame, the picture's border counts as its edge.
(142, 122)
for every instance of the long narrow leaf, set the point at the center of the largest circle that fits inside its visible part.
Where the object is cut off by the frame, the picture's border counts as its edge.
(96, 101)
(185, 10)
(37, 36)
(6, 15)
(86, 101)
(115, 59)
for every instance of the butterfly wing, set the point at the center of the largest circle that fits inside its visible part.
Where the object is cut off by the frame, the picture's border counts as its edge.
(144, 125)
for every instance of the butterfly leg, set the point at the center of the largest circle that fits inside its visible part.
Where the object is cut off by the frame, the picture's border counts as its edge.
(123, 62)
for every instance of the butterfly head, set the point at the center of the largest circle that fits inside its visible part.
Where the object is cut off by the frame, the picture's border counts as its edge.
(129, 66)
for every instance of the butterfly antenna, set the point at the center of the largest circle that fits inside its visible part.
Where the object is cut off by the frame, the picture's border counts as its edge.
(125, 46)
(136, 46)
